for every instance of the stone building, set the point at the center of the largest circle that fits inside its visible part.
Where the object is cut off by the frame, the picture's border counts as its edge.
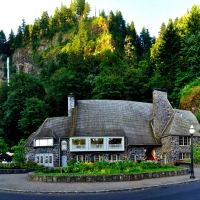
(114, 130)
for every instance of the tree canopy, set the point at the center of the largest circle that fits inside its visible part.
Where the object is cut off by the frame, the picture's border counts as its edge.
(99, 57)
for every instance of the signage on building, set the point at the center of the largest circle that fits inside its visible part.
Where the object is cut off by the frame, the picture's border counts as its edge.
(43, 151)
(139, 150)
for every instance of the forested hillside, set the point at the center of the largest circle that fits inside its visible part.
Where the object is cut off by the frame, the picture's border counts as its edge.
(100, 57)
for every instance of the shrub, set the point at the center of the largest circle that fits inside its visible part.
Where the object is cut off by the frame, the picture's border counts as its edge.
(106, 167)
(20, 151)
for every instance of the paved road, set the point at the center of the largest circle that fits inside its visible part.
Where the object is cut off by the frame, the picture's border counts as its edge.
(20, 183)
(174, 192)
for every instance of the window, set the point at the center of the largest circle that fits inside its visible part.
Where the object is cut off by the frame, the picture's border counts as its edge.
(98, 158)
(115, 157)
(78, 143)
(44, 142)
(96, 143)
(45, 159)
(182, 156)
(115, 142)
(79, 158)
(183, 141)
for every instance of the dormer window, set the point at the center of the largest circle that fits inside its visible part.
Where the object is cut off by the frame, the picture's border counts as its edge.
(44, 142)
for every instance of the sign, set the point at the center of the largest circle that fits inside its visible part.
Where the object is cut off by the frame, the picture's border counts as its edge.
(43, 151)
(139, 150)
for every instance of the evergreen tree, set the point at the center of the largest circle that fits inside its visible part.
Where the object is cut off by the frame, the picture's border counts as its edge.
(23, 26)
(18, 38)
(22, 87)
(86, 10)
(2, 42)
(26, 35)
(109, 84)
(80, 6)
(193, 22)
(117, 28)
(11, 41)
(102, 14)
(32, 116)
(44, 24)
(146, 42)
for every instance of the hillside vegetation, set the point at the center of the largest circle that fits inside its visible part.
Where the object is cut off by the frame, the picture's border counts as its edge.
(99, 57)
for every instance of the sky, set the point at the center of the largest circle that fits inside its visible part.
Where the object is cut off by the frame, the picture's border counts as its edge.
(144, 13)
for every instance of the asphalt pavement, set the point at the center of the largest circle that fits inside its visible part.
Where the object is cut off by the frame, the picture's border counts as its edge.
(20, 183)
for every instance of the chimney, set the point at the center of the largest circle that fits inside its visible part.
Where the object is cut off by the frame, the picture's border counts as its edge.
(71, 103)
(162, 110)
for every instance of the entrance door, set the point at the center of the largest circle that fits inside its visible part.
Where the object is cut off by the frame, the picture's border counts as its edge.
(64, 161)
(150, 154)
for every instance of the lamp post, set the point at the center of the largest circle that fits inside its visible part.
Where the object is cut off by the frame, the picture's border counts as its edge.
(192, 163)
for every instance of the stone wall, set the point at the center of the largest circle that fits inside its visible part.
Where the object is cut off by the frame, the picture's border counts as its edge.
(172, 148)
(105, 178)
(41, 150)
(162, 111)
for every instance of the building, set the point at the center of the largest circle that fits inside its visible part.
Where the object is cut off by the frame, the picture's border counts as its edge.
(114, 130)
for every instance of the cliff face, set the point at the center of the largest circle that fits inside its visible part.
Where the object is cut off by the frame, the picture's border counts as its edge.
(22, 60)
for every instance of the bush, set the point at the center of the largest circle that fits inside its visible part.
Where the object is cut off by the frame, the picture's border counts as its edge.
(196, 150)
(107, 167)
(20, 151)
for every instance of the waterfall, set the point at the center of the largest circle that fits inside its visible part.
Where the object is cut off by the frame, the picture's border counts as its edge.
(8, 72)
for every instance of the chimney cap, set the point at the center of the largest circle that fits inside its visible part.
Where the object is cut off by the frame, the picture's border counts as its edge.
(71, 95)
(159, 89)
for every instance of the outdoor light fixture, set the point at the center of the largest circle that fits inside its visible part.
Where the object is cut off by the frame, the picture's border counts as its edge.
(191, 130)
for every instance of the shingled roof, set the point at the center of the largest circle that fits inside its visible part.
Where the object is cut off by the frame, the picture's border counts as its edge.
(115, 118)
(56, 127)
(181, 122)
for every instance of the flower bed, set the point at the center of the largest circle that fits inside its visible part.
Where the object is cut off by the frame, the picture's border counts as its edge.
(104, 178)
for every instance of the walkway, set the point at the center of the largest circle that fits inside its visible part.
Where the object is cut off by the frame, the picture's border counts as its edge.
(19, 183)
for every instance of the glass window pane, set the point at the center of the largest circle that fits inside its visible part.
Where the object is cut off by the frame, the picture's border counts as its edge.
(78, 143)
(37, 142)
(43, 142)
(50, 142)
(64, 145)
(97, 143)
(50, 159)
(180, 140)
(115, 142)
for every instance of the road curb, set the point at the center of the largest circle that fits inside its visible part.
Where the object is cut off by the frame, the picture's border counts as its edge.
(99, 191)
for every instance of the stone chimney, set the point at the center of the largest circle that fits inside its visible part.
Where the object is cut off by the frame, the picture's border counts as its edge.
(71, 103)
(162, 111)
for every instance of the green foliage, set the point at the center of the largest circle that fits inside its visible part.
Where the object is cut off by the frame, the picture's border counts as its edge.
(22, 87)
(3, 146)
(196, 154)
(95, 57)
(20, 151)
(198, 116)
(106, 167)
(110, 83)
(32, 116)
